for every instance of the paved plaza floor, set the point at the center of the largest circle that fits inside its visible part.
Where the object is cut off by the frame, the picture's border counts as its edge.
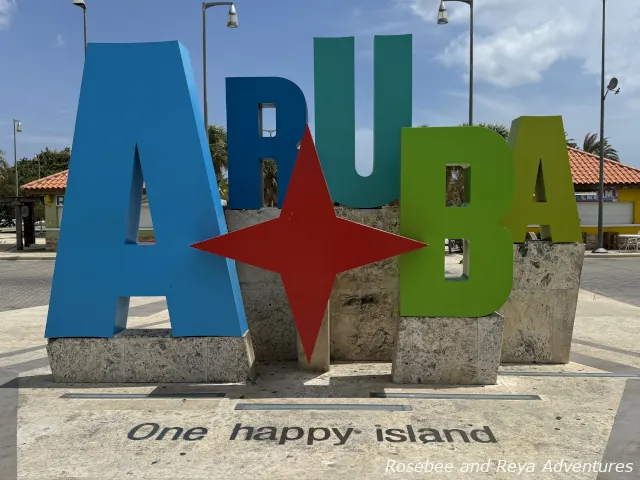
(547, 422)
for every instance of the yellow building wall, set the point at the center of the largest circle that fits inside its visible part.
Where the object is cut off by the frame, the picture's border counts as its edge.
(624, 195)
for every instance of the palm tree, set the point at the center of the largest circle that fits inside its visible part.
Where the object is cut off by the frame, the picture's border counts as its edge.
(223, 188)
(499, 128)
(270, 180)
(217, 136)
(219, 154)
(591, 144)
(571, 143)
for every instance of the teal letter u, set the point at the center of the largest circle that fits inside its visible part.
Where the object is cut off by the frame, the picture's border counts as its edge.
(334, 90)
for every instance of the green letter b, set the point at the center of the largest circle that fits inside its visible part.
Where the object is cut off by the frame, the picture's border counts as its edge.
(488, 256)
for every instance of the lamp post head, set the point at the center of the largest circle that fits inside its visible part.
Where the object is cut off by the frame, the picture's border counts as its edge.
(442, 14)
(18, 125)
(232, 19)
(613, 83)
(80, 3)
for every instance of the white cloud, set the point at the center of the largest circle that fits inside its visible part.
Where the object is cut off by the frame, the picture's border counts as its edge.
(59, 41)
(515, 56)
(7, 8)
(538, 57)
(517, 41)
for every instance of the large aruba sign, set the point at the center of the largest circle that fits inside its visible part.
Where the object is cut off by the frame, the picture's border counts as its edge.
(138, 114)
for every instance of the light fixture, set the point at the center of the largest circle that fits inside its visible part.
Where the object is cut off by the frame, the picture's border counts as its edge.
(442, 14)
(612, 87)
(613, 84)
(80, 3)
(18, 126)
(232, 19)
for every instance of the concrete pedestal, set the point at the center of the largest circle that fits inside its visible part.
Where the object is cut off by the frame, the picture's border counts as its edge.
(273, 332)
(363, 305)
(364, 301)
(448, 351)
(151, 356)
(541, 309)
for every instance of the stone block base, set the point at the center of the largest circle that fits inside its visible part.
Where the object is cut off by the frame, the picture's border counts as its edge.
(448, 351)
(273, 331)
(363, 303)
(541, 309)
(151, 356)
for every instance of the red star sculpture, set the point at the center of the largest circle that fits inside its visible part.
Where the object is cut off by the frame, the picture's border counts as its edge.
(308, 245)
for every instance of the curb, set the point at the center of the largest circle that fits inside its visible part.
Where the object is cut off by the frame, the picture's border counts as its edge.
(18, 257)
(612, 255)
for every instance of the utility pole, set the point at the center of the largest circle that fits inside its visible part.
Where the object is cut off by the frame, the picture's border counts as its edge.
(17, 127)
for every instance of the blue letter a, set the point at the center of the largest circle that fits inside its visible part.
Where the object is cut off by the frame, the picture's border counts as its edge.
(138, 114)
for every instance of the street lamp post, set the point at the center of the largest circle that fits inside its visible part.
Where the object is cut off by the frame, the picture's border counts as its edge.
(613, 84)
(17, 127)
(232, 22)
(83, 6)
(443, 20)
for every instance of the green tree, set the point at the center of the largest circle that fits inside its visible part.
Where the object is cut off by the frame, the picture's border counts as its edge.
(591, 144)
(47, 161)
(270, 183)
(51, 161)
(223, 188)
(3, 160)
(217, 135)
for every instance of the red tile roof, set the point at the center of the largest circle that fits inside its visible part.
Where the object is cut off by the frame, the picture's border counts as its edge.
(585, 169)
(55, 183)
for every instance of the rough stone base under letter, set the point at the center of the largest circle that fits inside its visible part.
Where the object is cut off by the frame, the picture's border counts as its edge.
(448, 351)
(541, 309)
(150, 356)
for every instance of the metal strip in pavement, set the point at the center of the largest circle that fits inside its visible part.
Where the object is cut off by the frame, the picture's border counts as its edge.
(147, 396)
(323, 406)
(454, 396)
(571, 374)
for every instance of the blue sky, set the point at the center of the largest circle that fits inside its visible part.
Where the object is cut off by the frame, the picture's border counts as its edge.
(533, 57)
